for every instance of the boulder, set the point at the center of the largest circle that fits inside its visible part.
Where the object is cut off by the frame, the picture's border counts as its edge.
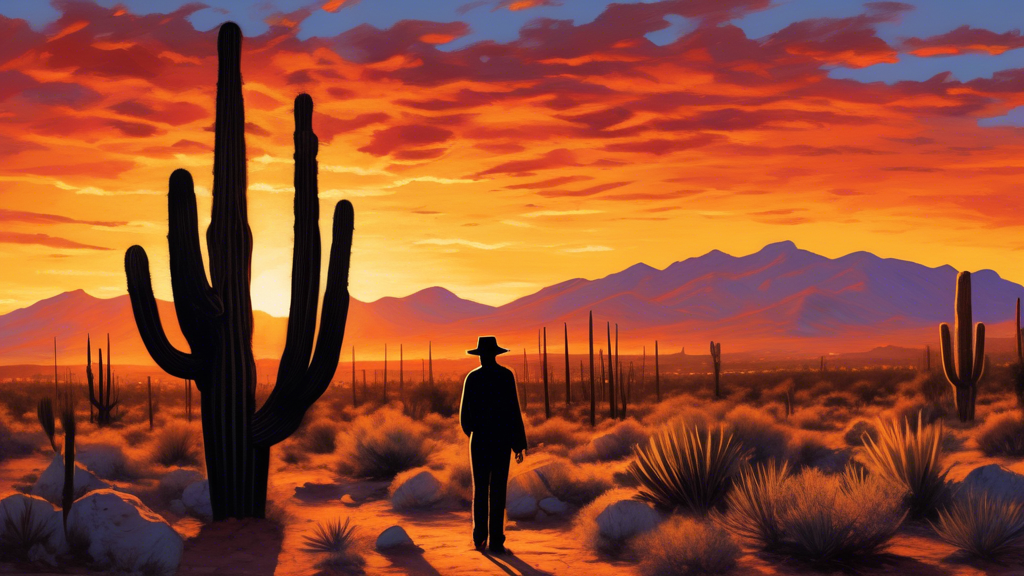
(522, 508)
(553, 506)
(624, 519)
(50, 485)
(394, 538)
(196, 499)
(124, 535)
(420, 490)
(174, 482)
(996, 481)
(45, 517)
(529, 483)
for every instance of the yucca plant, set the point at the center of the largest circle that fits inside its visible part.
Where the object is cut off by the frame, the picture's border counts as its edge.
(983, 526)
(753, 505)
(680, 467)
(911, 458)
(44, 412)
(21, 530)
(336, 542)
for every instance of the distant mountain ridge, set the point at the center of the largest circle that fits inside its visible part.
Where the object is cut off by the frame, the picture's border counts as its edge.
(780, 300)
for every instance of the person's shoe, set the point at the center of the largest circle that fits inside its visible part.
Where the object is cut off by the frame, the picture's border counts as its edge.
(480, 544)
(499, 549)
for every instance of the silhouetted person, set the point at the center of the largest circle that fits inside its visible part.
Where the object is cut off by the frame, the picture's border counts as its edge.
(490, 417)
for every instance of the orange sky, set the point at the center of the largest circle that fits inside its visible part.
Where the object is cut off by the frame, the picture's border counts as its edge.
(497, 169)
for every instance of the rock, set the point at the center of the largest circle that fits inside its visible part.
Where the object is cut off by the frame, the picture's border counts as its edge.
(996, 481)
(553, 506)
(103, 460)
(50, 485)
(314, 492)
(178, 507)
(626, 518)
(124, 534)
(348, 501)
(529, 483)
(394, 538)
(174, 482)
(45, 517)
(196, 498)
(522, 508)
(420, 490)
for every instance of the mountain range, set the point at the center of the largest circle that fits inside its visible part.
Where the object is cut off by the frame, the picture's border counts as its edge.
(780, 301)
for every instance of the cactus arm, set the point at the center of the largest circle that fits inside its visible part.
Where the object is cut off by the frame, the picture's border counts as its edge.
(946, 349)
(1017, 335)
(276, 421)
(963, 326)
(194, 299)
(979, 353)
(305, 254)
(147, 318)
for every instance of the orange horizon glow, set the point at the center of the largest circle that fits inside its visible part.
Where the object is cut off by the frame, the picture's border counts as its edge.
(499, 169)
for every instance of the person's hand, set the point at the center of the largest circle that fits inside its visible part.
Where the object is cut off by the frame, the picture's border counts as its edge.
(519, 456)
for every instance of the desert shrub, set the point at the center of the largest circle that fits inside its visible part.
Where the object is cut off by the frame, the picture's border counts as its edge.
(983, 526)
(556, 431)
(14, 444)
(614, 444)
(335, 544)
(613, 535)
(685, 467)
(320, 438)
(1002, 435)
(21, 530)
(820, 418)
(438, 398)
(757, 432)
(576, 484)
(808, 450)
(839, 400)
(686, 547)
(911, 458)
(854, 435)
(176, 446)
(383, 444)
(835, 520)
(459, 484)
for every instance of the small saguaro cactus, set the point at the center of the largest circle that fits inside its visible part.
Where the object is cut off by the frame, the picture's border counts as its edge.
(716, 361)
(217, 320)
(964, 365)
(1018, 368)
(593, 395)
(44, 411)
(104, 401)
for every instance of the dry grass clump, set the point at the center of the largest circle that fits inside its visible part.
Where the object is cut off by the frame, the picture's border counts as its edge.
(22, 530)
(1002, 435)
(686, 547)
(854, 435)
(614, 444)
(910, 457)
(576, 484)
(321, 438)
(758, 432)
(176, 445)
(685, 467)
(556, 431)
(610, 522)
(832, 520)
(14, 443)
(382, 444)
(336, 546)
(983, 526)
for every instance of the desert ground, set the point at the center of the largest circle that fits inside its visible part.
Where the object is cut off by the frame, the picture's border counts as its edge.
(573, 504)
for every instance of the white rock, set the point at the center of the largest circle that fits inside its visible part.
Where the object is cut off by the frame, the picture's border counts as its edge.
(103, 460)
(50, 484)
(45, 517)
(996, 481)
(174, 482)
(124, 534)
(392, 538)
(522, 508)
(529, 483)
(196, 498)
(418, 491)
(554, 506)
(626, 518)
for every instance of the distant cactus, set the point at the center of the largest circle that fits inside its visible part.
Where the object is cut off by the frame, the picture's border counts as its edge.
(593, 395)
(149, 394)
(657, 372)
(1018, 369)
(547, 402)
(44, 412)
(568, 380)
(217, 320)
(611, 374)
(67, 422)
(716, 360)
(103, 400)
(964, 370)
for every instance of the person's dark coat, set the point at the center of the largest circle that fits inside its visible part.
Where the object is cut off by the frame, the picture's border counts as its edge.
(490, 408)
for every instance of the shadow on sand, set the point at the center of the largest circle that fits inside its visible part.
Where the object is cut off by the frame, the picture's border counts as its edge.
(242, 547)
(513, 566)
(413, 562)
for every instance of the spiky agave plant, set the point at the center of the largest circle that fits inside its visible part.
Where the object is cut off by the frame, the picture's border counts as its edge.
(754, 505)
(911, 458)
(680, 467)
(335, 542)
(983, 526)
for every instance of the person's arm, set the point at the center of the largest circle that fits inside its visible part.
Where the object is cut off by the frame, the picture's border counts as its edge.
(519, 429)
(466, 409)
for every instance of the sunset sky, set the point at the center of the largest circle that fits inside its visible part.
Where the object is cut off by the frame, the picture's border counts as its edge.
(495, 147)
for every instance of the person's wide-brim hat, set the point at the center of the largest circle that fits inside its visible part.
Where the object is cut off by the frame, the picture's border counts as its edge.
(487, 346)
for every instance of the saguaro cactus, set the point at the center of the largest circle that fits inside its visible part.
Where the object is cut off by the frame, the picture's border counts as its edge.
(568, 379)
(716, 360)
(217, 320)
(104, 401)
(1018, 369)
(593, 395)
(547, 402)
(964, 370)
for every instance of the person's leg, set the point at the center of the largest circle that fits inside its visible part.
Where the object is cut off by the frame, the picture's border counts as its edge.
(480, 464)
(498, 486)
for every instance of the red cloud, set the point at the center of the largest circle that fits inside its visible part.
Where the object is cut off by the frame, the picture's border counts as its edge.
(327, 127)
(40, 218)
(549, 183)
(559, 158)
(584, 192)
(407, 136)
(44, 240)
(964, 40)
(172, 113)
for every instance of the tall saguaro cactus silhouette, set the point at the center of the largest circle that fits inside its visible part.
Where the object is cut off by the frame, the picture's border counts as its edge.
(966, 370)
(716, 361)
(216, 319)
